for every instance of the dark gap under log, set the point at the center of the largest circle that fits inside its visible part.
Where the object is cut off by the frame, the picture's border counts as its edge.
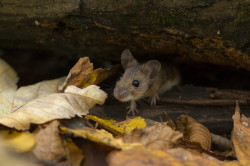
(211, 106)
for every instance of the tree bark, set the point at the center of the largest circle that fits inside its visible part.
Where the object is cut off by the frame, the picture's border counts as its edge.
(215, 32)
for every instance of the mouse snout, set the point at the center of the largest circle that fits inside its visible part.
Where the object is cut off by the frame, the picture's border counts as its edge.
(120, 93)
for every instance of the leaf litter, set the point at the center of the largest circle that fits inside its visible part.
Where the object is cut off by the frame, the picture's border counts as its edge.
(129, 142)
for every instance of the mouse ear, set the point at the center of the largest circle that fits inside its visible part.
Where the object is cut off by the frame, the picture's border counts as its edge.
(127, 59)
(151, 68)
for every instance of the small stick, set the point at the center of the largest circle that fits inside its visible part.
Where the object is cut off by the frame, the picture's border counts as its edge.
(205, 102)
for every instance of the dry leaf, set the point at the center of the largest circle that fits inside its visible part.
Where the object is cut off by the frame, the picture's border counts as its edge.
(79, 74)
(99, 75)
(83, 75)
(160, 136)
(240, 137)
(8, 80)
(99, 136)
(142, 156)
(74, 102)
(27, 93)
(194, 131)
(19, 141)
(49, 144)
(119, 127)
(10, 159)
(74, 155)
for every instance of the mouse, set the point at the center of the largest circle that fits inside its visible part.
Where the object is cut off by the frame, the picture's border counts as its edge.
(141, 80)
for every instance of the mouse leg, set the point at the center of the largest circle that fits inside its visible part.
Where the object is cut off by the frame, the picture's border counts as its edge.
(132, 108)
(153, 99)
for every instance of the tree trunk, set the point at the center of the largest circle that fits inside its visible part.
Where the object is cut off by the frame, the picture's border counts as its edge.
(215, 32)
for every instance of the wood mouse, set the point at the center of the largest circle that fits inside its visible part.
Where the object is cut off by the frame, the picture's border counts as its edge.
(144, 80)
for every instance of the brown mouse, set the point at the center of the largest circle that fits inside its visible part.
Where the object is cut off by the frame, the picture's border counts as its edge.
(144, 80)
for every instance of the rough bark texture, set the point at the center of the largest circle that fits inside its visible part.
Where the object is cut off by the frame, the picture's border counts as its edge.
(203, 31)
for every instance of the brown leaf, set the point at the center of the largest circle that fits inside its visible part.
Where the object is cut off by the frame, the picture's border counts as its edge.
(194, 131)
(99, 75)
(240, 137)
(141, 156)
(79, 74)
(49, 143)
(83, 75)
(159, 136)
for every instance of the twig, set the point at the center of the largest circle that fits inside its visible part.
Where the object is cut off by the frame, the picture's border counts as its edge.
(205, 102)
(235, 94)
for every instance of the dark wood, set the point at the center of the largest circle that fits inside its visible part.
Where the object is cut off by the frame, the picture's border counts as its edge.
(218, 118)
(203, 31)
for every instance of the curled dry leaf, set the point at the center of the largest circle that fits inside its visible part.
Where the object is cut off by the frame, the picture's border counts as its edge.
(160, 136)
(240, 137)
(83, 74)
(119, 127)
(99, 136)
(99, 75)
(49, 145)
(142, 156)
(74, 102)
(19, 141)
(79, 74)
(8, 80)
(194, 131)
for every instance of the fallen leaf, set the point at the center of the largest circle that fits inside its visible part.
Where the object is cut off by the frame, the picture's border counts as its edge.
(160, 136)
(27, 93)
(194, 131)
(83, 74)
(9, 158)
(74, 155)
(119, 127)
(49, 144)
(99, 136)
(8, 80)
(141, 156)
(79, 74)
(240, 137)
(99, 75)
(74, 101)
(19, 141)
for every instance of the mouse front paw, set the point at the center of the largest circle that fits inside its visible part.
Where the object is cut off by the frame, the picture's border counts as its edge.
(153, 99)
(132, 108)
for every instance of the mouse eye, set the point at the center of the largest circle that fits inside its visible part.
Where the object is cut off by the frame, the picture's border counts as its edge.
(135, 83)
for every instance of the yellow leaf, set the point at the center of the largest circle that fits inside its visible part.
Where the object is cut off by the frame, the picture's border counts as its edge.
(100, 137)
(8, 158)
(74, 101)
(99, 75)
(19, 141)
(119, 127)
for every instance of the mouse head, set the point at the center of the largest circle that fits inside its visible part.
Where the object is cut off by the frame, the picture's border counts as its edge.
(137, 78)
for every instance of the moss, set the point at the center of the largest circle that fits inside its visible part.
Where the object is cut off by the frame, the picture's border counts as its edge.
(243, 13)
(163, 17)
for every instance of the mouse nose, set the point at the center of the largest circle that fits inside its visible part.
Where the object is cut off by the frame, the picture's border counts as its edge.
(120, 93)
